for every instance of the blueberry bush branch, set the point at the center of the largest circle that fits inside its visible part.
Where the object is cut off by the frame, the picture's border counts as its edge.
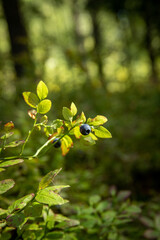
(59, 135)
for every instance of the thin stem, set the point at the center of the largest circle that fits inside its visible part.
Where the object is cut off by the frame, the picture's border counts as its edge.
(29, 134)
(50, 140)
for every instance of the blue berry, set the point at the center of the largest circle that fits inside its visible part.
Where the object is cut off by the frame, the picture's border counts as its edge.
(85, 129)
(58, 143)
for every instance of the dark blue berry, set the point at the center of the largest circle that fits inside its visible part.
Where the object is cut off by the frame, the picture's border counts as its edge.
(85, 129)
(57, 143)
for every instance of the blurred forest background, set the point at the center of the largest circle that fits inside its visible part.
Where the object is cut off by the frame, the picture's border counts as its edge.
(104, 56)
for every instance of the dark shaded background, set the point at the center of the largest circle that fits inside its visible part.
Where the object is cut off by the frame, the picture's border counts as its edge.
(102, 55)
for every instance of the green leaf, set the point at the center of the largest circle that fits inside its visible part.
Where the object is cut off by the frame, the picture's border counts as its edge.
(157, 222)
(109, 216)
(31, 99)
(133, 209)
(60, 218)
(68, 141)
(77, 132)
(102, 206)
(21, 203)
(112, 236)
(57, 123)
(44, 106)
(89, 139)
(14, 144)
(90, 222)
(33, 210)
(102, 132)
(148, 222)
(94, 199)
(5, 185)
(67, 114)
(5, 235)
(44, 119)
(93, 136)
(49, 197)
(48, 179)
(73, 109)
(7, 135)
(81, 118)
(98, 120)
(50, 221)
(3, 213)
(11, 162)
(15, 220)
(151, 234)
(54, 235)
(2, 224)
(57, 188)
(66, 224)
(42, 90)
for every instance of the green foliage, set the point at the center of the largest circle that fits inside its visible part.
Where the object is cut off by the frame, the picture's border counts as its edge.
(108, 219)
(40, 211)
(5, 185)
(32, 215)
(42, 90)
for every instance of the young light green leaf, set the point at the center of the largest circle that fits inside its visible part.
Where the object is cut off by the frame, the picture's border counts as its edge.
(73, 109)
(57, 123)
(81, 118)
(5, 185)
(42, 90)
(11, 162)
(67, 114)
(77, 132)
(21, 203)
(2, 169)
(102, 132)
(44, 119)
(49, 197)
(89, 139)
(98, 120)
(48, 179)
(44, 106)
(31, 99)
(93, 136)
